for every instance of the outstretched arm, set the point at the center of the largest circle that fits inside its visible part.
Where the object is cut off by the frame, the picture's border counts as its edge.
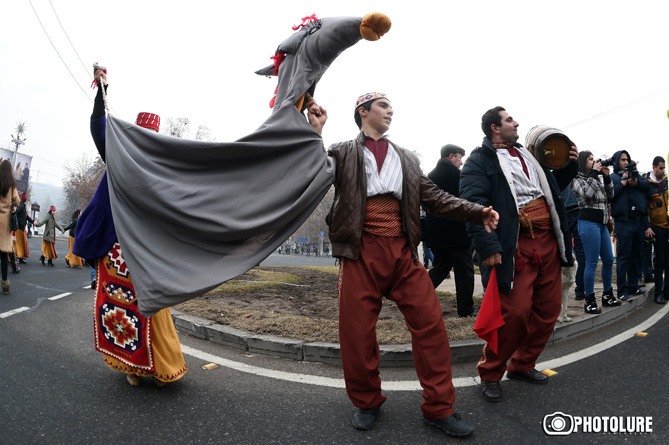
(98, 119)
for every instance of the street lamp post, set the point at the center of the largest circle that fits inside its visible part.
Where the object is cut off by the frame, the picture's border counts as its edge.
(35, 208)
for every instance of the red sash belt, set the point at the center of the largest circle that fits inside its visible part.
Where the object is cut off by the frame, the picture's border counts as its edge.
(383, 216)
(535, 216)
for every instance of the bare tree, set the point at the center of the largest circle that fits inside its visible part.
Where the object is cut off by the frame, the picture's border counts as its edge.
(80, 183)
(203, 134)
(315, 224)
(177, 127)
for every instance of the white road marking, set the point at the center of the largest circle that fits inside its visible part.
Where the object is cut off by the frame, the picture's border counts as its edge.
(14, 311)
(611, 342)
(280, 375)
(23, 309)
(414, 385)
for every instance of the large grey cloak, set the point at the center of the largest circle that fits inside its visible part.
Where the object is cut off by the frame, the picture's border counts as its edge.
(190, 215)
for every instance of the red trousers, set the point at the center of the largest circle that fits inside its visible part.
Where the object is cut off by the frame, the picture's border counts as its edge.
(529, 312)
(385, 268)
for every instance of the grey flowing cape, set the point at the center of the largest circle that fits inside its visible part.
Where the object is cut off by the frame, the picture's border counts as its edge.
(191, 215)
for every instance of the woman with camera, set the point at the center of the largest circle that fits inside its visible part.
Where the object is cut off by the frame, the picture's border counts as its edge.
(593, 189)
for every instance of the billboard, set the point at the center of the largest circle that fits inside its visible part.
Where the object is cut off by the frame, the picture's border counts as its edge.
(22, 165)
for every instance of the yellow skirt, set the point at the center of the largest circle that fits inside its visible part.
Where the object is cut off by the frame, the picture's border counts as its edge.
(71, 258)
(21, 246)
(150, 346)
(168, 358)
(48, 250)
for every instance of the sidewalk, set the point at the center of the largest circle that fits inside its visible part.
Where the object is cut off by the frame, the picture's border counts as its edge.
(395, 355)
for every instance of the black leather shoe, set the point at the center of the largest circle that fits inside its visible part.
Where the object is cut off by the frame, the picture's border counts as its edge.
(659, 299)
(532, 376)
(22, 260)
(452, 425)
(474, 313)
(42, 260)
(491, 391)
(93, 284)
(364, 419)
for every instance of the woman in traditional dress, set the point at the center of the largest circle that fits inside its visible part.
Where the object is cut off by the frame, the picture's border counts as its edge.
(8, 197)
(49, 239)
(71, 259)
(131, 343)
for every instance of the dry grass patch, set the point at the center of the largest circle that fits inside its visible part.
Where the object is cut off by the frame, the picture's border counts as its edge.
(302, 303)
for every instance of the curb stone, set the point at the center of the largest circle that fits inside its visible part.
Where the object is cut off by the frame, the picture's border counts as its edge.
(391, 355)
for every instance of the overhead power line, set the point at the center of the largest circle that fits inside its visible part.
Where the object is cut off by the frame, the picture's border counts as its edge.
(617, 108)
(55, 49)
(88, 71)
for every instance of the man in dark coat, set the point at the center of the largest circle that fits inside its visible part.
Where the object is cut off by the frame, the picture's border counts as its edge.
(629, 208)
(531, 241)
(448, 238)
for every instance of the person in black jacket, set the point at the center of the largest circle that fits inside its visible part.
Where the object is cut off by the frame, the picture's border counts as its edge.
(629, 208)
(71, 259)
(527, 249)
(21, 245)
(448, 239)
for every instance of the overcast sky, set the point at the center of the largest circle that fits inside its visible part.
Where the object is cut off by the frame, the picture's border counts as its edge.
(598, 70)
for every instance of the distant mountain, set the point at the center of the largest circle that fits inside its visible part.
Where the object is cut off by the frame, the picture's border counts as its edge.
(47, 195)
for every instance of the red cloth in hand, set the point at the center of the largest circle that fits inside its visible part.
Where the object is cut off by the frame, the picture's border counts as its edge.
(490, 314)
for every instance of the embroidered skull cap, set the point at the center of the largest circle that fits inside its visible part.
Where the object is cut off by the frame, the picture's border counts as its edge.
(368, 98)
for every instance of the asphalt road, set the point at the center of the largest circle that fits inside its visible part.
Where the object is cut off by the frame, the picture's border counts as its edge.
(55, 388)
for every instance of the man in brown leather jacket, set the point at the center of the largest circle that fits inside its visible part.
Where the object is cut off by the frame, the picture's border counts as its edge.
(375, 229)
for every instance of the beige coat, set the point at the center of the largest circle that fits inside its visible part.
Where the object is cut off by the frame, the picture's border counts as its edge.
(12, 197)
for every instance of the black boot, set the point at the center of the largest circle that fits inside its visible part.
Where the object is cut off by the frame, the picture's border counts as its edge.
(609, 300)
(50, 263)
(12, 262)
(591, 305)
(42, 259)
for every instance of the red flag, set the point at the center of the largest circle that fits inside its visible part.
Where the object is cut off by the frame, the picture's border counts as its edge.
(490, 314)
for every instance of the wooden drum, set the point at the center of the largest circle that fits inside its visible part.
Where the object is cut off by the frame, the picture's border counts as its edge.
(549, 146)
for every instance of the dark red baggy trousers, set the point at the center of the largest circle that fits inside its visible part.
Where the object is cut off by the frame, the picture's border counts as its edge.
(530, 312)
(385, 268)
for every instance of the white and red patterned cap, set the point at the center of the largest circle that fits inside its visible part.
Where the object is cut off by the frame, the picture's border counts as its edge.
(148, 120)
(368, 98)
